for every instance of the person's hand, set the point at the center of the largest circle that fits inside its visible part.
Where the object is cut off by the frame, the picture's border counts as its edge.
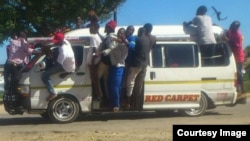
(98, 54)
(185, 23)
(117, 40)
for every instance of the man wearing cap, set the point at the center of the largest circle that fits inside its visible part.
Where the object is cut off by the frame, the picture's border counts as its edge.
(65, 62)
(107, 45)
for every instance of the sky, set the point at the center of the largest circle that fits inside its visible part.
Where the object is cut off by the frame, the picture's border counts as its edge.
(175, 12)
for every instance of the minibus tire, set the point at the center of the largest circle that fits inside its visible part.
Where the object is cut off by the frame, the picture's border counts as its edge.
(193, 112)
(63, 110)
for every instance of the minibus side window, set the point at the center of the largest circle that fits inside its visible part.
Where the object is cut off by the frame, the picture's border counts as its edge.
(174, 56)
(157, 58)
(78, 51)
(216, 55)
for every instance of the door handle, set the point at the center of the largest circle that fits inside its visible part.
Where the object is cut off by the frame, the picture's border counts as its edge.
(152, 75)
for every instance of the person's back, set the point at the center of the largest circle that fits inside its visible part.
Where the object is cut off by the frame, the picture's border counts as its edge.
(19, 50)
(66, 57)
(235, 41)
(141, 54)
(130, 43)
(17, 53)
(137, 68)
(205, 29)
(200, 28)
(152, 38)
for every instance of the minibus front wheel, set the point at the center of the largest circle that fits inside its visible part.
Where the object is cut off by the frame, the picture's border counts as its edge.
(63, 110)
(198, 111)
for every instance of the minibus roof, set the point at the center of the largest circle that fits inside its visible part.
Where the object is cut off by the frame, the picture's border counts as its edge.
(162, 32)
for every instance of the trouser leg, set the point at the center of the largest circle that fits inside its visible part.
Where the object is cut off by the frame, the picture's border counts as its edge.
(240, 76)
(114, 85)
(103, 73)
(46, 76)
(138, 94)
(132, 74)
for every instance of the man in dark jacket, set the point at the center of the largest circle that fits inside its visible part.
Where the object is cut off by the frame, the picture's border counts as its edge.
(137, 68)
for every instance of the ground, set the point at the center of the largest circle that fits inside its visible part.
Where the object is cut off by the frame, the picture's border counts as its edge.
(132, 126)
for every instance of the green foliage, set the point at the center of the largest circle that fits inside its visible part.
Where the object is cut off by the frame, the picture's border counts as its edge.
(247, 50)
(247, 80)
(42, 17)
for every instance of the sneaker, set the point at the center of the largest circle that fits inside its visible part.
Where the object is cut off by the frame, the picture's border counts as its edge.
(115, 109)
(51, 97)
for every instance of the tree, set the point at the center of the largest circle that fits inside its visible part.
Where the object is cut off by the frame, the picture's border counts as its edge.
(42, 17)
(247, 51)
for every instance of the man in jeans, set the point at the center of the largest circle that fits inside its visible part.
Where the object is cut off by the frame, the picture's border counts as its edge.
(65, 62)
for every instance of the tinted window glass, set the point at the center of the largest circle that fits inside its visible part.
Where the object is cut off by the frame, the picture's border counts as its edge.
(215, 55)
(175, 55)
(78, 51)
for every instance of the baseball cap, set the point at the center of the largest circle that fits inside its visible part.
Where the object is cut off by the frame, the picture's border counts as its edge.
(111, 24)
(58, 37)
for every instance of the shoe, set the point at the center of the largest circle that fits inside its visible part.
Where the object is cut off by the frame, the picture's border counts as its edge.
(127, 107)
(115, 109)
(51, 97)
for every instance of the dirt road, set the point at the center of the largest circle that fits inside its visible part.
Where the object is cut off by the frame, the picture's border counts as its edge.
(130, 126)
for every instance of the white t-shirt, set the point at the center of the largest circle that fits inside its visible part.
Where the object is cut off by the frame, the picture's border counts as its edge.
(66, 57)
(205, 29)
(95, 42)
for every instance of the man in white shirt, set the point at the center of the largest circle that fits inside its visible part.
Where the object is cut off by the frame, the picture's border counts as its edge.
(93, 59)
(65, 62)
(201, 27)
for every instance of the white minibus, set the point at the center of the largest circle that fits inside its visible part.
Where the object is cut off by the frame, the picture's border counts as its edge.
(178, 78)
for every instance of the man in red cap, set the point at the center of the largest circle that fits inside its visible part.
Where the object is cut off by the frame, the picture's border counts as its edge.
(107, 45)
(64, 62)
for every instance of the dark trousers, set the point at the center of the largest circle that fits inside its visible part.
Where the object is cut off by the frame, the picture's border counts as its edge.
(95, 81)
(240, 78)
(11, 77)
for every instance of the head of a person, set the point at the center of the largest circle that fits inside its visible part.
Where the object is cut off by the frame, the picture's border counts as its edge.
(110, 27)
(58, 38)
(94, 28)
(14, 36)
(235, 25)
(121, 33)
(141, 31)
(148, 27)
(202, 10)
(130, 30)
(22, 34)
